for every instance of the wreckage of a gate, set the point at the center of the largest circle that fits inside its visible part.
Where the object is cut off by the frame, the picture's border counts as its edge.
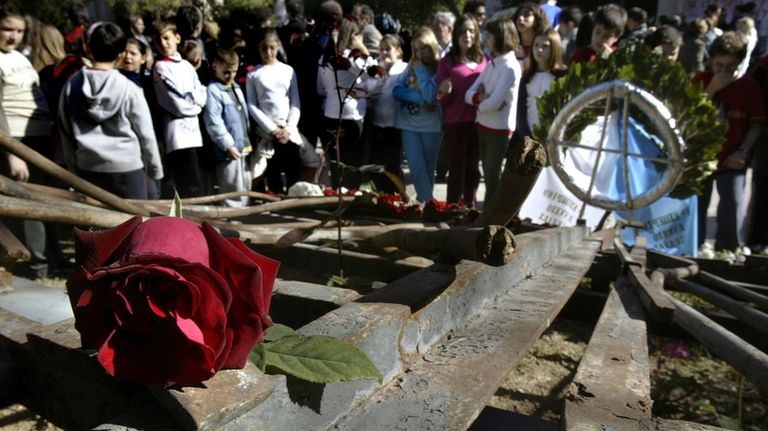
(445, 312)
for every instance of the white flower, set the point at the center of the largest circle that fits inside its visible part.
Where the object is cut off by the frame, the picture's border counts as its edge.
(305, 189)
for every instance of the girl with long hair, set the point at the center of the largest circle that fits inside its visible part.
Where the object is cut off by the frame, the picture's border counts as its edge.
(455, 73)
(495, 93)
(543, 65)
(419, 116)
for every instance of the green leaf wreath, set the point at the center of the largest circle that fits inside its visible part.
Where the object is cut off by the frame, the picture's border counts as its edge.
(696, 116)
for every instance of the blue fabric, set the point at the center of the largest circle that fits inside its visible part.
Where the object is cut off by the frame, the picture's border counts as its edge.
(223, 120)
(670, 224)
(421, 150)
(418, 110)
(552, 12)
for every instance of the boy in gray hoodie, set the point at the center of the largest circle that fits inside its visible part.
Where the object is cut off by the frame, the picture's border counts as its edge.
(105, 124)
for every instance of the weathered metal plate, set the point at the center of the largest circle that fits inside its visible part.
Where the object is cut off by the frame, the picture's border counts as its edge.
(36, 302)
(612, 387)
(453, 381)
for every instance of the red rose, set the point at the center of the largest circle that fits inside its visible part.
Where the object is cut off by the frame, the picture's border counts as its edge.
(166, 301)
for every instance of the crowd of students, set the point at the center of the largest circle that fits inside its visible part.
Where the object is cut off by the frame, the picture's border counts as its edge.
(249, 106)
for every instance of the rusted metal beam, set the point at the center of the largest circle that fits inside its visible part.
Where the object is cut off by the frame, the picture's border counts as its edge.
(525, 160)
(454, 379)
(652, 297)
(741, 355)
(733, 290)
(492, 245)
(612, 388)
(754, 318)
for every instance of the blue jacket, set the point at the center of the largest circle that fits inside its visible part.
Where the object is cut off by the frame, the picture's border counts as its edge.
(223, 119)
(419, 111)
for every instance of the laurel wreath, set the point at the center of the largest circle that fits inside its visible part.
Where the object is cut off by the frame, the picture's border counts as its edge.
(696, 116)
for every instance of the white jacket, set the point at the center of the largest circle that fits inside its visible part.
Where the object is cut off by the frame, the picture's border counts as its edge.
(182, 97)
(501, 82)
(335, 84)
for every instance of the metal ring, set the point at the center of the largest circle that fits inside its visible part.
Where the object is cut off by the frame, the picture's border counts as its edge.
(659, 115)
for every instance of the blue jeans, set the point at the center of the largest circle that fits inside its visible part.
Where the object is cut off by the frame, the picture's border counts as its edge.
(421, 150)
(730, 209)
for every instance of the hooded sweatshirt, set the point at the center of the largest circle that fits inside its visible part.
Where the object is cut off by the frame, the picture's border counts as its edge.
(105, 124)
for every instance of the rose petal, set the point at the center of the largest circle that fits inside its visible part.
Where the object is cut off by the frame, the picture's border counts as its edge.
(172, 236)
(251, 278)
(120, 322)
(189, 328)
(268, 267)
(156, 359)
(93, 249)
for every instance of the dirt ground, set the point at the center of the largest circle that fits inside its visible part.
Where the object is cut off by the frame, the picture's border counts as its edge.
(698, 388)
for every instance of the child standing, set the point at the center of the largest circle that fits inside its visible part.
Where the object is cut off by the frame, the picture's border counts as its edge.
(495, 93)
(456, 72)
(182, 97)
(226, 121)
(608, 26)
(543, 65)
(745, 115)
(24, 115)
(105, 124)
(345, 87)
(273, 103)
(386, 142)
(134, 61)
(419, 116)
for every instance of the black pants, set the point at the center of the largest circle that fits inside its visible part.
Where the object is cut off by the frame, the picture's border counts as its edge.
(285, 160)
(182, 169)
(350, 149)
(128, 185)
(387, 150)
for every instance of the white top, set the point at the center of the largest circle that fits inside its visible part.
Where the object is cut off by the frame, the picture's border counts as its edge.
(273, 98)
(537, 86)
(751, 42)
(384, 108)
(182, 97)
(501, 81)
(354, 104)
(23, 102)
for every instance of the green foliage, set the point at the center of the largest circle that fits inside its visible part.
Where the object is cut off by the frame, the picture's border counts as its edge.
(234, 7)
(696, 116)
(53, 12)
(337, 280)
(146, 8)
(175, 206)
(316, 359)
(410, 14)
